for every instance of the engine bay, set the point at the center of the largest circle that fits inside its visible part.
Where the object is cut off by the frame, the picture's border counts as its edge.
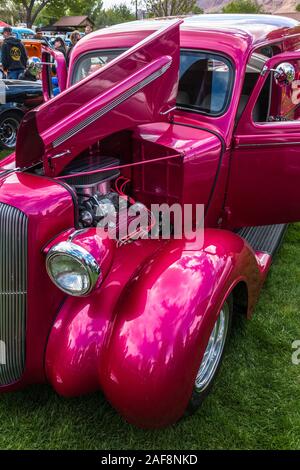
(154, 164)
(96, 192)
(119, 177)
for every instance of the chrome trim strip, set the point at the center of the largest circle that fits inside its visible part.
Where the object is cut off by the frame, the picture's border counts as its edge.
(267, 144)
(13, 292)
(110, 106)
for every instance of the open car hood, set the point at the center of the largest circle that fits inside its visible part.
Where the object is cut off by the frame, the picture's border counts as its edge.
(137, 87)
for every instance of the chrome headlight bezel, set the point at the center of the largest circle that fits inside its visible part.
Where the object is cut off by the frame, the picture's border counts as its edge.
(82, 257)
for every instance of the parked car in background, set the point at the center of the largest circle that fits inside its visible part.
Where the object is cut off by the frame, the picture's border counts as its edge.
(21, 33)
(16, 98)
(149, 114)
(47, 39)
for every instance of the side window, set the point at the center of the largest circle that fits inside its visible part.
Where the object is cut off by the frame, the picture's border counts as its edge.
(253, 70)
(289, 97)
(92, 62)
(205, 82)
(281, 103)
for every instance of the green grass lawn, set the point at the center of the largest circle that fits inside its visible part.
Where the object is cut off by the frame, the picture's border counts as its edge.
(254, 404)
(4, 153)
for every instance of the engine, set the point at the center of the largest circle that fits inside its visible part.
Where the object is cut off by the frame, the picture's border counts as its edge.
(101, 197)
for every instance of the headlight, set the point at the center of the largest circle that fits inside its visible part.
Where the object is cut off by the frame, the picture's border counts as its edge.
(72, 268)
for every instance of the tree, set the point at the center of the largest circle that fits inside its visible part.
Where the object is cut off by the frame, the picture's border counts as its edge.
(32, 9)
(197, 10)
(52, 12)
(58, 8)
(116, 14)
(8, 12)
(11, 12)
(24, 11)
(29, 11)
(298, 7)
(242, 6)
(171, 7)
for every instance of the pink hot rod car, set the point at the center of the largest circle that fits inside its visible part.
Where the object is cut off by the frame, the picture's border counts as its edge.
(167, 112)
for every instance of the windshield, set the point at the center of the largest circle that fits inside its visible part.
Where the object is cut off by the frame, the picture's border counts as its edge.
(205, 78)
(205, 82)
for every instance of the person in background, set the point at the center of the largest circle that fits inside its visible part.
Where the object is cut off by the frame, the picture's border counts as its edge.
(88, 29)
(33, 71)
(38, 34)
(59, 45)
(14, 55)
(74, 38)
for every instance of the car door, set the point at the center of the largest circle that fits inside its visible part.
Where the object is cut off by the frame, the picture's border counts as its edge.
(264, 180)
(53, 61)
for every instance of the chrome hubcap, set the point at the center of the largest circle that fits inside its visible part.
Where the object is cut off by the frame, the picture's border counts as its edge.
(8, 131)
(213, 350)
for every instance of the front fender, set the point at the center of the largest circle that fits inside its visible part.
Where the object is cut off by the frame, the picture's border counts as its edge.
(77, 339)
(163, 322)
(141, 336)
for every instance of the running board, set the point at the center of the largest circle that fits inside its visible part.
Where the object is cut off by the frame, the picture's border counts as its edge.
(265, 238)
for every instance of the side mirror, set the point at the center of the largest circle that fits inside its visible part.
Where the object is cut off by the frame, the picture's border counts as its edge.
(284, 74)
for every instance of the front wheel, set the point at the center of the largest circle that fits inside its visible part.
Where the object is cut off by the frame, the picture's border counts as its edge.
(213, 355)
(9, 125)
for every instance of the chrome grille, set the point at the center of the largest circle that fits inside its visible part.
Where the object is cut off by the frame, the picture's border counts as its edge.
(13, 292)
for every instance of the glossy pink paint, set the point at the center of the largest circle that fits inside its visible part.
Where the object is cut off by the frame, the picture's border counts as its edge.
(265, 190)
(61, 69)
(152, 316)
(49, 208)
(146, 75)
(141, 335)
(201, 153)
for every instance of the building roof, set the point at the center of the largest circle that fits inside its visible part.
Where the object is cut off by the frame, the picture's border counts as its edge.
(73, 22)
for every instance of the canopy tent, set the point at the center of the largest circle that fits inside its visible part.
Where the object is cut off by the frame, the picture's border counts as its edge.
(3, 24)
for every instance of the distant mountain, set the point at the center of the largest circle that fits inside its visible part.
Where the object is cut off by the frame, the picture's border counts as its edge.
(269, 6)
